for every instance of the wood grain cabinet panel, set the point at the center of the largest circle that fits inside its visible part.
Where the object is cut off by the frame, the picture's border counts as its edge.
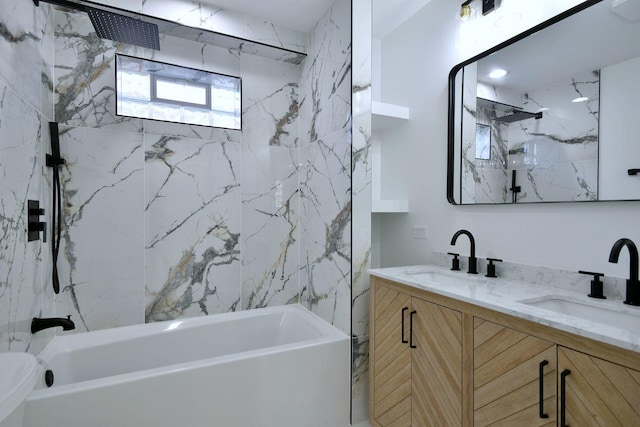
(436, 395)
(598, 393)
(440, 362)
(416, 362)
(506, 384)
(391, 359)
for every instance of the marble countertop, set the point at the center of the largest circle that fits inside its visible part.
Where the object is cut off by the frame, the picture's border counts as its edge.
(510, 297)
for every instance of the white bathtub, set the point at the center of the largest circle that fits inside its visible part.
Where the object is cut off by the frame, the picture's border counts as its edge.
(279, 366)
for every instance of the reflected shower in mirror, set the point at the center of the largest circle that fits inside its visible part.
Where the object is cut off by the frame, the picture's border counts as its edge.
(556, 122)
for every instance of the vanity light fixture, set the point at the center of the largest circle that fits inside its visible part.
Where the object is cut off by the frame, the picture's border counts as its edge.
(466, 12)
(465, 23)
(465, 20)
(497, 73)
(580, 99)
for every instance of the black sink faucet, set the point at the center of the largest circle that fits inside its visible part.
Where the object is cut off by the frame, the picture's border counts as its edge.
(38, 324)
(473, 261)
(633, 286)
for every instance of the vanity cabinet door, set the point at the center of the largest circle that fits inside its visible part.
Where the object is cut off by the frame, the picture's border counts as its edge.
(416, 361)
(509, 369)
(391, 358)
(597, 392)
(436, 363)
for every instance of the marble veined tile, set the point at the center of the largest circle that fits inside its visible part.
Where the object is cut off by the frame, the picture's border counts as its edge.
(101, 256)
(270, 226)
(268, 33)
(213, 18)
(326, 73)
(22, 295)
(192, 212)
(198, 55)
(559, 182)
(26, 40)
(197, 15)
(326, 202)
(361, 223)
(85, 75)
(360, 379)
(361, 212)
(270, 105)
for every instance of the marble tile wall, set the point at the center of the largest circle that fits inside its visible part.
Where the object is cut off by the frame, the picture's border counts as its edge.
(361, 217)
(164, 220)
(326, 186)
(556, 157)
(491, 187)
(325, 179)
(26, 68)
(212, 18)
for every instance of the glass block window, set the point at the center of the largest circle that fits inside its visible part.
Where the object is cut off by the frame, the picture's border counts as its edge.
(154, 90)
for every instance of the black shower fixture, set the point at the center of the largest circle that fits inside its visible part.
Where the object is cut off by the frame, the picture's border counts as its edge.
(34, 225)
(114, 26)
(124, 29)
(55, 162)
(518, 115)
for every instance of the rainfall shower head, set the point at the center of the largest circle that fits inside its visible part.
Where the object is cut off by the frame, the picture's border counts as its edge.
(116, 27)
(517, 116)
(124, 29)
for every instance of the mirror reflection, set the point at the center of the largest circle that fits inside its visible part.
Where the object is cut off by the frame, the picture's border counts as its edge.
(550, 117)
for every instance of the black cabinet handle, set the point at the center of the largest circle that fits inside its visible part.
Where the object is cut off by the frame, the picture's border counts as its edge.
(403, 311)
(542, 365)
(411, 329)
(563, 402)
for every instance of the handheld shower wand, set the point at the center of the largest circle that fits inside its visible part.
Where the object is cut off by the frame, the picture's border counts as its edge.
(55, 161)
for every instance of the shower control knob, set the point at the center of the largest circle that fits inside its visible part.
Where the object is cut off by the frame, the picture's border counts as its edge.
(34, 225)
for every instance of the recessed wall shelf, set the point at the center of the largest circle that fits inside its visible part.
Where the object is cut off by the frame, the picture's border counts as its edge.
(389, 206)
(385, 117)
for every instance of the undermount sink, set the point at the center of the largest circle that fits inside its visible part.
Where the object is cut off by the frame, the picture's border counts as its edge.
(444, 277)
(596, 311)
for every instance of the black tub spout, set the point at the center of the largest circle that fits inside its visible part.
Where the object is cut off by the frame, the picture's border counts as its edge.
(38, 324)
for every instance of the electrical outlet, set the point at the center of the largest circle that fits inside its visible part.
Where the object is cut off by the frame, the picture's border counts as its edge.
(419, 232)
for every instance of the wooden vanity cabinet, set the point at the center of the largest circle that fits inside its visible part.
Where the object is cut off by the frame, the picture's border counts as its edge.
(510, 368)
(473, 366)
(598, 393)
(416, 361)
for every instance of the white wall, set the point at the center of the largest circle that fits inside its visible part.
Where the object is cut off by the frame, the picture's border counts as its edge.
(416, 61)
(620, 149)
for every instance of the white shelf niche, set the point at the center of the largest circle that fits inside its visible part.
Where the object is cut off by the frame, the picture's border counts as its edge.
(384, 117)
(389, 206)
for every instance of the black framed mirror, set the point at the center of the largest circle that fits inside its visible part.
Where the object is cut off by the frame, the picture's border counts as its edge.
(559, 102)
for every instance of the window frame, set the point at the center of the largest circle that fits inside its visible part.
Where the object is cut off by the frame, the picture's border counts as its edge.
(155, 77)
(154, 100)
